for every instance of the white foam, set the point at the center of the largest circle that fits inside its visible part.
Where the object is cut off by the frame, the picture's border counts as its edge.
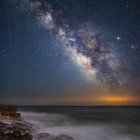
(57, 124)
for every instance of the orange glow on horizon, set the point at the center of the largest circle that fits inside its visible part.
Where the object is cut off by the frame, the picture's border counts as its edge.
(97, 100)
(116, 100)
(106, 99)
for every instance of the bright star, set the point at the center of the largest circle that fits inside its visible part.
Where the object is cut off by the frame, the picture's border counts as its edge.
(118, 38)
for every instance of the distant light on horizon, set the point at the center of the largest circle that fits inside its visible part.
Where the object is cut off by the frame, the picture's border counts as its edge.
(116, 100)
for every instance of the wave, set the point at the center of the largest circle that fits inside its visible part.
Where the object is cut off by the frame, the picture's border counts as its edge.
(57, 124)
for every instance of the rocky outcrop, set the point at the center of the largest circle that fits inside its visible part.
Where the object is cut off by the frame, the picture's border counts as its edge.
(15, 136)
(23, 131)
(12, 108)
(15, 131)
(9, 111)
(13, 127)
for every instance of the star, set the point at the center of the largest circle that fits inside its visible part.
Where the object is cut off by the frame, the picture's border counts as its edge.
(118, 38)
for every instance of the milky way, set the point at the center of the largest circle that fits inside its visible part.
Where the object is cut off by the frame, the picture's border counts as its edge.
(90, 50)
(69, 50)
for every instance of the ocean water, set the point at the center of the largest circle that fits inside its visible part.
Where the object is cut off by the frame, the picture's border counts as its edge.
(86, 123)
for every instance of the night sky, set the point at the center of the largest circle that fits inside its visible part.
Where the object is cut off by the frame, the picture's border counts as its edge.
(70, 52)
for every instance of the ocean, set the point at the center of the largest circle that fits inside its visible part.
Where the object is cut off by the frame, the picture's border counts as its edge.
(85, 122)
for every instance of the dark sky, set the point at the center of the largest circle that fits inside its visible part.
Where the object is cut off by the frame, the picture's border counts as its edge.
(69, 51)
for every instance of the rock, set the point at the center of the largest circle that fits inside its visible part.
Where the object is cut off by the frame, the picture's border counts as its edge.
(9, 111)
(14, 131)
(11, 108)
(24, 127)
(15, 136)
(63, 137)
(3, 126)
(2, 135)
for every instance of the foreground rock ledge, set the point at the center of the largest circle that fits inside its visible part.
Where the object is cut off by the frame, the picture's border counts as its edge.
(9, 111)
(13, 127)
(15, 131)
(23, 131)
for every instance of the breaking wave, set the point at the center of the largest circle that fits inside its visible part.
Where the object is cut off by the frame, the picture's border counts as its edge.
(57, 124)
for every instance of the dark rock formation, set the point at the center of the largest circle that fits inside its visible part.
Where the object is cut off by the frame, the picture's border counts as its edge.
(23, 131)
(16, 136)
(18, 129)
(15, 131)
(9, 111)
(10, 108)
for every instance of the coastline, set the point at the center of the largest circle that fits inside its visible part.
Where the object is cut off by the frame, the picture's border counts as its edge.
(72, 123)
(17, 128)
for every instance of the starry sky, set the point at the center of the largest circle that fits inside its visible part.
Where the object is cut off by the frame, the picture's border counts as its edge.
(70, 52)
